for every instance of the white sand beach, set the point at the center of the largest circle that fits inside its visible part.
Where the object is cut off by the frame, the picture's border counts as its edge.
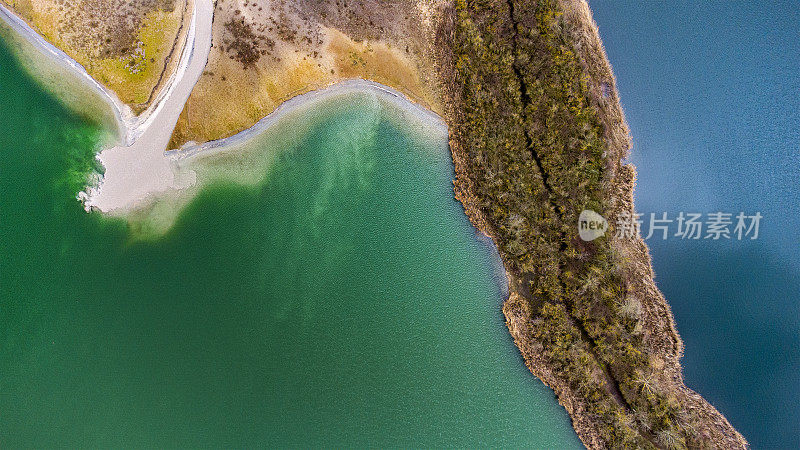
(137, 171)
(140, 168)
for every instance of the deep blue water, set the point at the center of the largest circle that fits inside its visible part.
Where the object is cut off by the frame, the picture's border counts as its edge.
(711, 91)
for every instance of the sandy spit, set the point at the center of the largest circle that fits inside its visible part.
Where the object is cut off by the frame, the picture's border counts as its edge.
(140, 168)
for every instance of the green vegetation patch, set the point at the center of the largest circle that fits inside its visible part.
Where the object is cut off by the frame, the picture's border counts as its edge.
(537, 158)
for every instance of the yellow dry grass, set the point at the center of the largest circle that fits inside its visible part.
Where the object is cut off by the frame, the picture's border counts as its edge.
(135, 85)
(381, 62)
(230, 98)
(132, 76)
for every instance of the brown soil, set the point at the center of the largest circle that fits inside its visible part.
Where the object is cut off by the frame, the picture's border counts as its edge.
(267, 51)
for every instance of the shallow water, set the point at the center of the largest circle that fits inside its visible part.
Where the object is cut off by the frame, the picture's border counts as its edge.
(711, 94)
(337, 297)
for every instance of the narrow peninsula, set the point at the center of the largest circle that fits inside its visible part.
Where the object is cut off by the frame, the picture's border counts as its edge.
(536, 131)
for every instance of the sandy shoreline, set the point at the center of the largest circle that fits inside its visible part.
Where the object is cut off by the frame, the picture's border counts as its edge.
(123, 114)
(129, 126)
(139, 170)
(338, 89)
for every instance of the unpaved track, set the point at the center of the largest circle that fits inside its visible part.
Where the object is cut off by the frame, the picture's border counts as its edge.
(135, 172)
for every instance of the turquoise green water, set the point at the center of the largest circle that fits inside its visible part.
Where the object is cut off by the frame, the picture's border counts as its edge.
(342, 300)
